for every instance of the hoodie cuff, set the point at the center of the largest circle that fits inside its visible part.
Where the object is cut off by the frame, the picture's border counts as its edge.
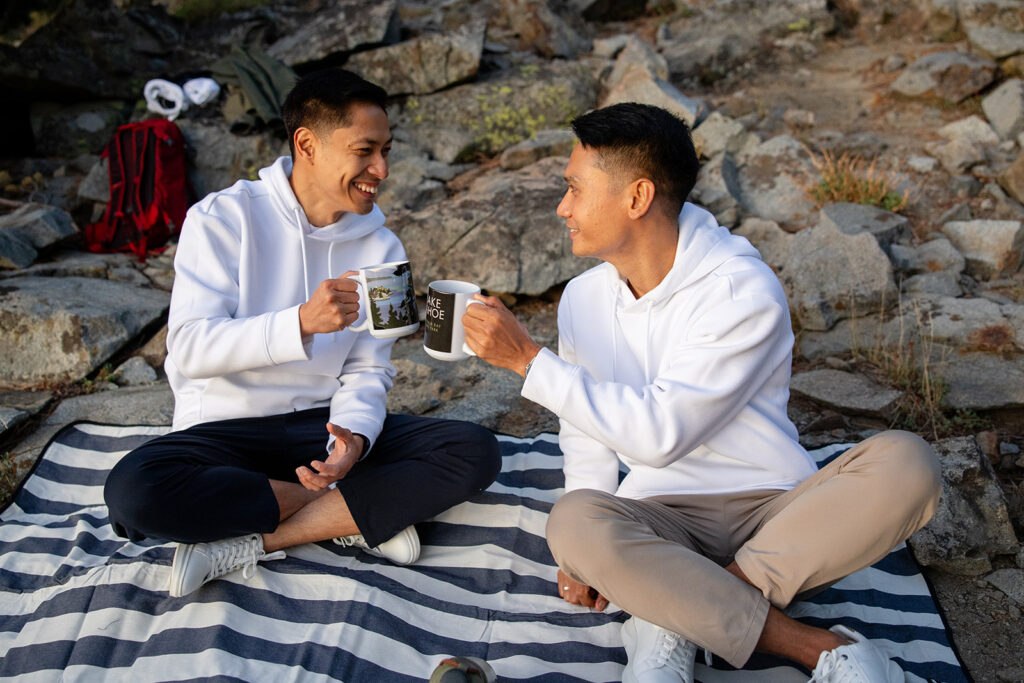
(547, 382)
(283, 337)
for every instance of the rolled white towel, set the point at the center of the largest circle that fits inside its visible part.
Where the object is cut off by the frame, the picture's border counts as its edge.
(201, 90)
(158, 91)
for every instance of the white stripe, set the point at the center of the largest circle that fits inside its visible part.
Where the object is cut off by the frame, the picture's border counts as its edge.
(75, 494)
(498, 515)
(529, 493)
(118, 431)
(190, 666)
(865, 613)
(524, 666)
(876, 579)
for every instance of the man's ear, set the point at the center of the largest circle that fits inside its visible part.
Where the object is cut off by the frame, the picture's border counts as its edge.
(641, 198)
(305, 144)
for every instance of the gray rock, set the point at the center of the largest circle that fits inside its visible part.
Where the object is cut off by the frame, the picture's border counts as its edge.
(893, 63)
(851, 219)
(982, 381)
(958, 212)
(639, 84)
(15, 251)
(831, 276)
(489, 116)
(1012, 178)
(610, 46)
(154, 352)
(220, 158)
(545, 143)
(133, 372)
(637, 54)
(1010, 581)
(411, 185)
(941, 18)
(718, 187)
(995, 42)
(968, 323)
(772, 177)
(1003, 13)
(715, 134)
(424, 64)
(540, 29)
(475, 237)
(845, 392)
(60, 329)
(96, 184)
(340, 26)
(17, 407)
(956, 156)
(992, 248)
(30, 229)
(971, 524)
(1004, 107)
(953, 76)
(68, 130)
(75, 264)
(772, 241)
(972, 129)
(933, 256)
(961, 186)
(864, 334)
(922, 164)
(943, 283)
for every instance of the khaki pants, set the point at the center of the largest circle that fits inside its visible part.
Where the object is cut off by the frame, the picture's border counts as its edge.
(662, 558)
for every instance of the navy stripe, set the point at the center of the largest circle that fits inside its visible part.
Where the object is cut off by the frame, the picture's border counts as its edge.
(76, 438)
(536, 479)
(66, 474)
(539, 446)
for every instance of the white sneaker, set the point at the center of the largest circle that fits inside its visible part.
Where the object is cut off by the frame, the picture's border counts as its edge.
(402, 548)
(655, 654)
(196, 563)
(859, 662)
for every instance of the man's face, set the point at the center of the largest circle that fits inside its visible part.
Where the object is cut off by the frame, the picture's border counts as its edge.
(594, 208)
(352, 161)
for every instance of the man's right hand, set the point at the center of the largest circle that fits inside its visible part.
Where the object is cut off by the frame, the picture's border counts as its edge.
(580, 593)
(333, 306)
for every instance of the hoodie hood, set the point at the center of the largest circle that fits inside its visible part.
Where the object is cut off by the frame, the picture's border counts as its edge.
(702, 247)
(350, 226)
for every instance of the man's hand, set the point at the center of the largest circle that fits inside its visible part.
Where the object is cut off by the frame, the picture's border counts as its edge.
(333, 306)
(347, 449)
(495, 335)
(580, 593)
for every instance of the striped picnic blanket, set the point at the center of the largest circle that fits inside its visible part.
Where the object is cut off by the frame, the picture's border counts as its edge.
(77, 603)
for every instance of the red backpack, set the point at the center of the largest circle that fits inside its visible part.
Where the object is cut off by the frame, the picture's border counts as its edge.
(148, 196)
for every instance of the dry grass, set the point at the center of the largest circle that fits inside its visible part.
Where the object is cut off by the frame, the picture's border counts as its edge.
(851, 178)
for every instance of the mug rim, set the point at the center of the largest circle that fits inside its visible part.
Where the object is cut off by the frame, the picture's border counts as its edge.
(382, 265)
(454, 287)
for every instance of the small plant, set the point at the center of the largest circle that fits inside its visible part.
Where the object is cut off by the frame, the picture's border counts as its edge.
(850, 178)
(105, 374)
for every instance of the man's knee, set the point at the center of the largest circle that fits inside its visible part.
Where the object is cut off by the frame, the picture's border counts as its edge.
(130, 495)
(570, 530)
(479, 449)
(911, 468)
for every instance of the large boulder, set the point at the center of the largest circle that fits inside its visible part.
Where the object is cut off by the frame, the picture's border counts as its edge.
(340, 26)
(885, 226)
(542, 30)
(488, 116)
(972, 524)
(831, 275)
(92, 49)
(640, 84)
(637, 53)
(772, 177)
(60, 329)
(219, 158)
(982, 381)
(424, 64)
(502, 233)
(952, 76)
(718, 188)
(845, 392)
(67, 130)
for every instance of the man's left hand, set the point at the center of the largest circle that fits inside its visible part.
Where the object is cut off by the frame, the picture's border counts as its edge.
(347, 449)
(495, 335)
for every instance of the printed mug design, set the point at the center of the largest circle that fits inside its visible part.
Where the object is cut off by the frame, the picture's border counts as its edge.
(444, 336)
(439, 321)
(392, 303)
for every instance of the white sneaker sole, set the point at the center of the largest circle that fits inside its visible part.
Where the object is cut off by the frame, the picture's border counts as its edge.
(181, 554)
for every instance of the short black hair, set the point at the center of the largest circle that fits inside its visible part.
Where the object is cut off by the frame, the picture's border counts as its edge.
(321, 101)
(643, 141)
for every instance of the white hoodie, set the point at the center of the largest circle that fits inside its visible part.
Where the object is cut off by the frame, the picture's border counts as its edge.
(686, 385)
(247, 259)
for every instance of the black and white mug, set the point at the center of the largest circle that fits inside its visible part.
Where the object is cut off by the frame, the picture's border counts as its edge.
(445, 337)
(387, 300)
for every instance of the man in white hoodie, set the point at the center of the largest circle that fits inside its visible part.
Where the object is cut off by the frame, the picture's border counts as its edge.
(674, 359)
(280, 433)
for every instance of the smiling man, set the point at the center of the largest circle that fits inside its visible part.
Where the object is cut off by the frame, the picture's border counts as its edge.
(280, 434)
(674, 360)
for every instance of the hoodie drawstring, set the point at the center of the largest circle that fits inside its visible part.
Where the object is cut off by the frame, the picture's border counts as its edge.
(302, 245)
(647, 346)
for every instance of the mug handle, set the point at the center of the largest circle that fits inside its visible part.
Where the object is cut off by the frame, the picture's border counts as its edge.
(365, 325)
(465, 346)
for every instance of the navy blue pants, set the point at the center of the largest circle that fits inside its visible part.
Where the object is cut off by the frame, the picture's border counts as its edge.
(212, 481)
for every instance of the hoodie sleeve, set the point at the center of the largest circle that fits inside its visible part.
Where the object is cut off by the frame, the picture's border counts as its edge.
(360, 403)
(204, 339)
(588, 464)
(718, 363)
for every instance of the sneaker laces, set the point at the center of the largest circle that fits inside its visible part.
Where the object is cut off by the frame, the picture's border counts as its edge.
(243, 553)
(830, 669)
(675, 654)
(353, 541)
